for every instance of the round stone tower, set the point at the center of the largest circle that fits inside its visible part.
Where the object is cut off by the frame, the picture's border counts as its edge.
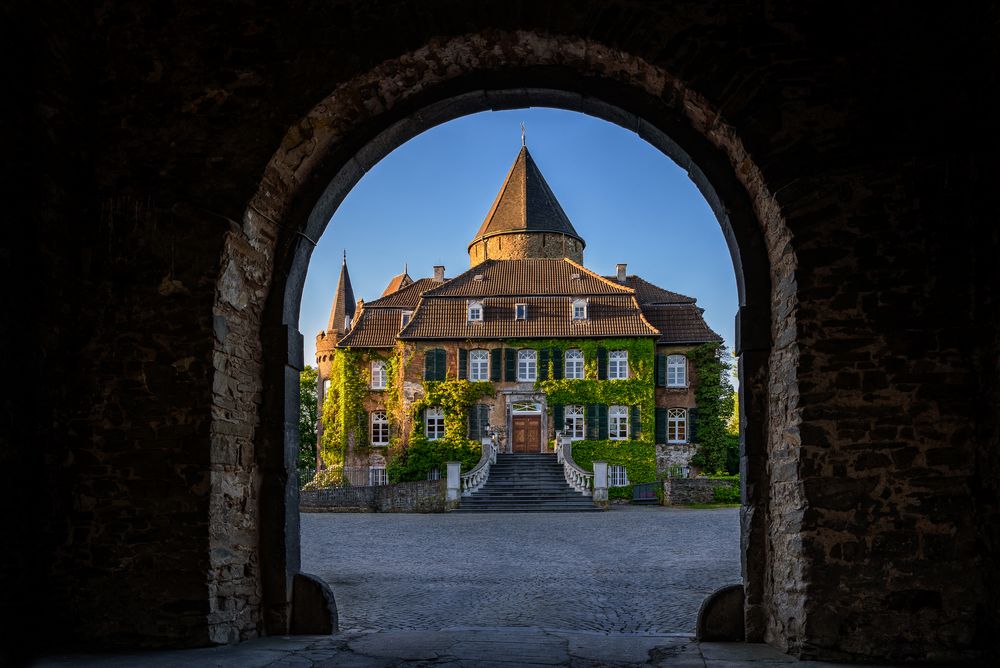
(526, 220)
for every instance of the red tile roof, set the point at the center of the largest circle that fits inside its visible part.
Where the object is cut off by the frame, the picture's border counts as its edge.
(528, 277)
(406, 297)
(375, 328)
(680, 323)
(647, 293)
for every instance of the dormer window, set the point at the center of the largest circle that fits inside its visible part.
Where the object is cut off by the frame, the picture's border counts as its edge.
(520, 311)
(475, 312)
(405, 319)
(579, 309)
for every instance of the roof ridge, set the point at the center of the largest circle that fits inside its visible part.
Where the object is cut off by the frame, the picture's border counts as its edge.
(642, 316)
(615, 284)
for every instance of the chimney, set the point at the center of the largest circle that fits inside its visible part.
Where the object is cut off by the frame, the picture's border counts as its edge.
(439, 273)
(621, 271)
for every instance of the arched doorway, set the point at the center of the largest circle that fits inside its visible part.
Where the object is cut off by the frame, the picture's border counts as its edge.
(325, 154)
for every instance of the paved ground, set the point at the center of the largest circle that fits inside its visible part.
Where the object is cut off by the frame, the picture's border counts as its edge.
(634, 570)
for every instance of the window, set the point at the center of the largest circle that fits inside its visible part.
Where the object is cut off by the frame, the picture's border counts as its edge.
(434, 474)
(347, 324)
(479, 365)
(520, 311)
(326, 388)
(618, 423)
(618, 365)
(434, 423)
(579, 309)
(527, 365)
(617, 477)
(676, 371)
(574, 422)
(378, 375)
(574, 364)
(676, 425)
(379, 428)
(475, 312)
(377, 476)
(404, 320)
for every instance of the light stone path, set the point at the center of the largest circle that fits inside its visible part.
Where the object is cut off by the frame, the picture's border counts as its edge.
(632, 570)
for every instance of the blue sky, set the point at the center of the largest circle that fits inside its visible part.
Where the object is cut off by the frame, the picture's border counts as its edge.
(423, 203)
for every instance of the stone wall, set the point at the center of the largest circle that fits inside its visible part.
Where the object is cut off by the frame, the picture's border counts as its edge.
(535, 245)
(407, 497)
(683, 491)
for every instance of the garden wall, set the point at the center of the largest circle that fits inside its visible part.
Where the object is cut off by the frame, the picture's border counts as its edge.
(406, 497)
(682, 491)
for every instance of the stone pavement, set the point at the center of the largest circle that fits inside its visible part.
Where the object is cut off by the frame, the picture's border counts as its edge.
(629, 570)
(456, 648)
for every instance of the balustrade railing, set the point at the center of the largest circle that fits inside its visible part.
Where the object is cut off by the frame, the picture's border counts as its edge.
(576, 477)
(479, 474)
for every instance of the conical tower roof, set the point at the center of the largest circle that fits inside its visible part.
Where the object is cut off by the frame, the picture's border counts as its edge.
(525, 203)
(342, 311)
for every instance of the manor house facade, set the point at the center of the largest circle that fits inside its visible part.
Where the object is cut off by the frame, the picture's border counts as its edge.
(545, 344)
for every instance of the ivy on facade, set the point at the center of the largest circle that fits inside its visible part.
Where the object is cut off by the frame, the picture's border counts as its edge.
(717, 448)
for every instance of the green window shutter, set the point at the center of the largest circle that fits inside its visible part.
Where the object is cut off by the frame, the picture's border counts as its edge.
(442, 364)
(661, 425)
(692, 431)
(473, 422)
(430, 359)
(602, 422)
(633, 423)
(463, 364)
(558, 417)
(510, 365)
(593, 431)
(543, 364)
(557, 364)
(484, 420)
(602, 363)
(661, 370)
(495, 364)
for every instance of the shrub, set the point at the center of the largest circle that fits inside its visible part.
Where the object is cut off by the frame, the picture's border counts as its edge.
(726, 494)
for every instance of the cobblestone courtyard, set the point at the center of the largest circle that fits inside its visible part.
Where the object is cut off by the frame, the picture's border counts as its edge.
(629, 570)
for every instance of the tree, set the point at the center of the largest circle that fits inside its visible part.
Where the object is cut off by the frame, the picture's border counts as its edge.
(718, 448)
(306, 461)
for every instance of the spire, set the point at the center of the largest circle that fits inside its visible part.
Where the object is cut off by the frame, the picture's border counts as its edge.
(343, 309)
(526, 205)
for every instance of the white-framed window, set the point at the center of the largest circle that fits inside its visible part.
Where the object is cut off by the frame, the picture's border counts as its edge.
(574, 422)
(326, 388)
(617, 476)
(676, 371)
(378, 375)
(347, 323)
(434, 423)
(527, 365)
(573, 366)
(379, 428)
(618, 365)
(526, 407)
(479, 365)
(405, 318)
(579, 309)
(475, 312)
(520, 311)
(618, 423)
(377, 476)
(434, 474)
(677, 422)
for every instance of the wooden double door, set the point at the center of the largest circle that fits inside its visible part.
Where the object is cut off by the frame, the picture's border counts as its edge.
(526, 433)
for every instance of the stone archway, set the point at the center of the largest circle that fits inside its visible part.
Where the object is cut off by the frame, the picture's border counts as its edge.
(327, 152)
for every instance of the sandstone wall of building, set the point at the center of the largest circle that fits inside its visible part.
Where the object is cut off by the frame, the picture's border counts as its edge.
(516, 246)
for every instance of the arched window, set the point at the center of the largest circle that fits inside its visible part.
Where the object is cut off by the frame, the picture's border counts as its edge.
(479, 365)
(527, 365)
(676, 371)
(574, 422)
(376, 471)
(677, 425)
(378, 375)
(618, 423)
(379, 428)
(618, 365)
(579, 309)
(475, 312)
(434, 423)
(573, 367)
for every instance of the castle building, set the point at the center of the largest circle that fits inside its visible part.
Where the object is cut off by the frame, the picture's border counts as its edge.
(544, 344)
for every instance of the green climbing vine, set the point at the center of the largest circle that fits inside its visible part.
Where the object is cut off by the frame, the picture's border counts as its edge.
(718, 449)
(455, 397)
(638, 458)
(344, 415)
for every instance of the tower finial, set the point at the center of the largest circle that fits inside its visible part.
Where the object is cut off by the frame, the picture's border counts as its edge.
(345, 256)
(522, 134)
(406, 268)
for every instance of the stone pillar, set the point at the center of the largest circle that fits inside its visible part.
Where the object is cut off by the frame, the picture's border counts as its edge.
(667, 490)
(601, 484)
(454, 483)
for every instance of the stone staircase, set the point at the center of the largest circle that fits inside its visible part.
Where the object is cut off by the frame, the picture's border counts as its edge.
(526, 483)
